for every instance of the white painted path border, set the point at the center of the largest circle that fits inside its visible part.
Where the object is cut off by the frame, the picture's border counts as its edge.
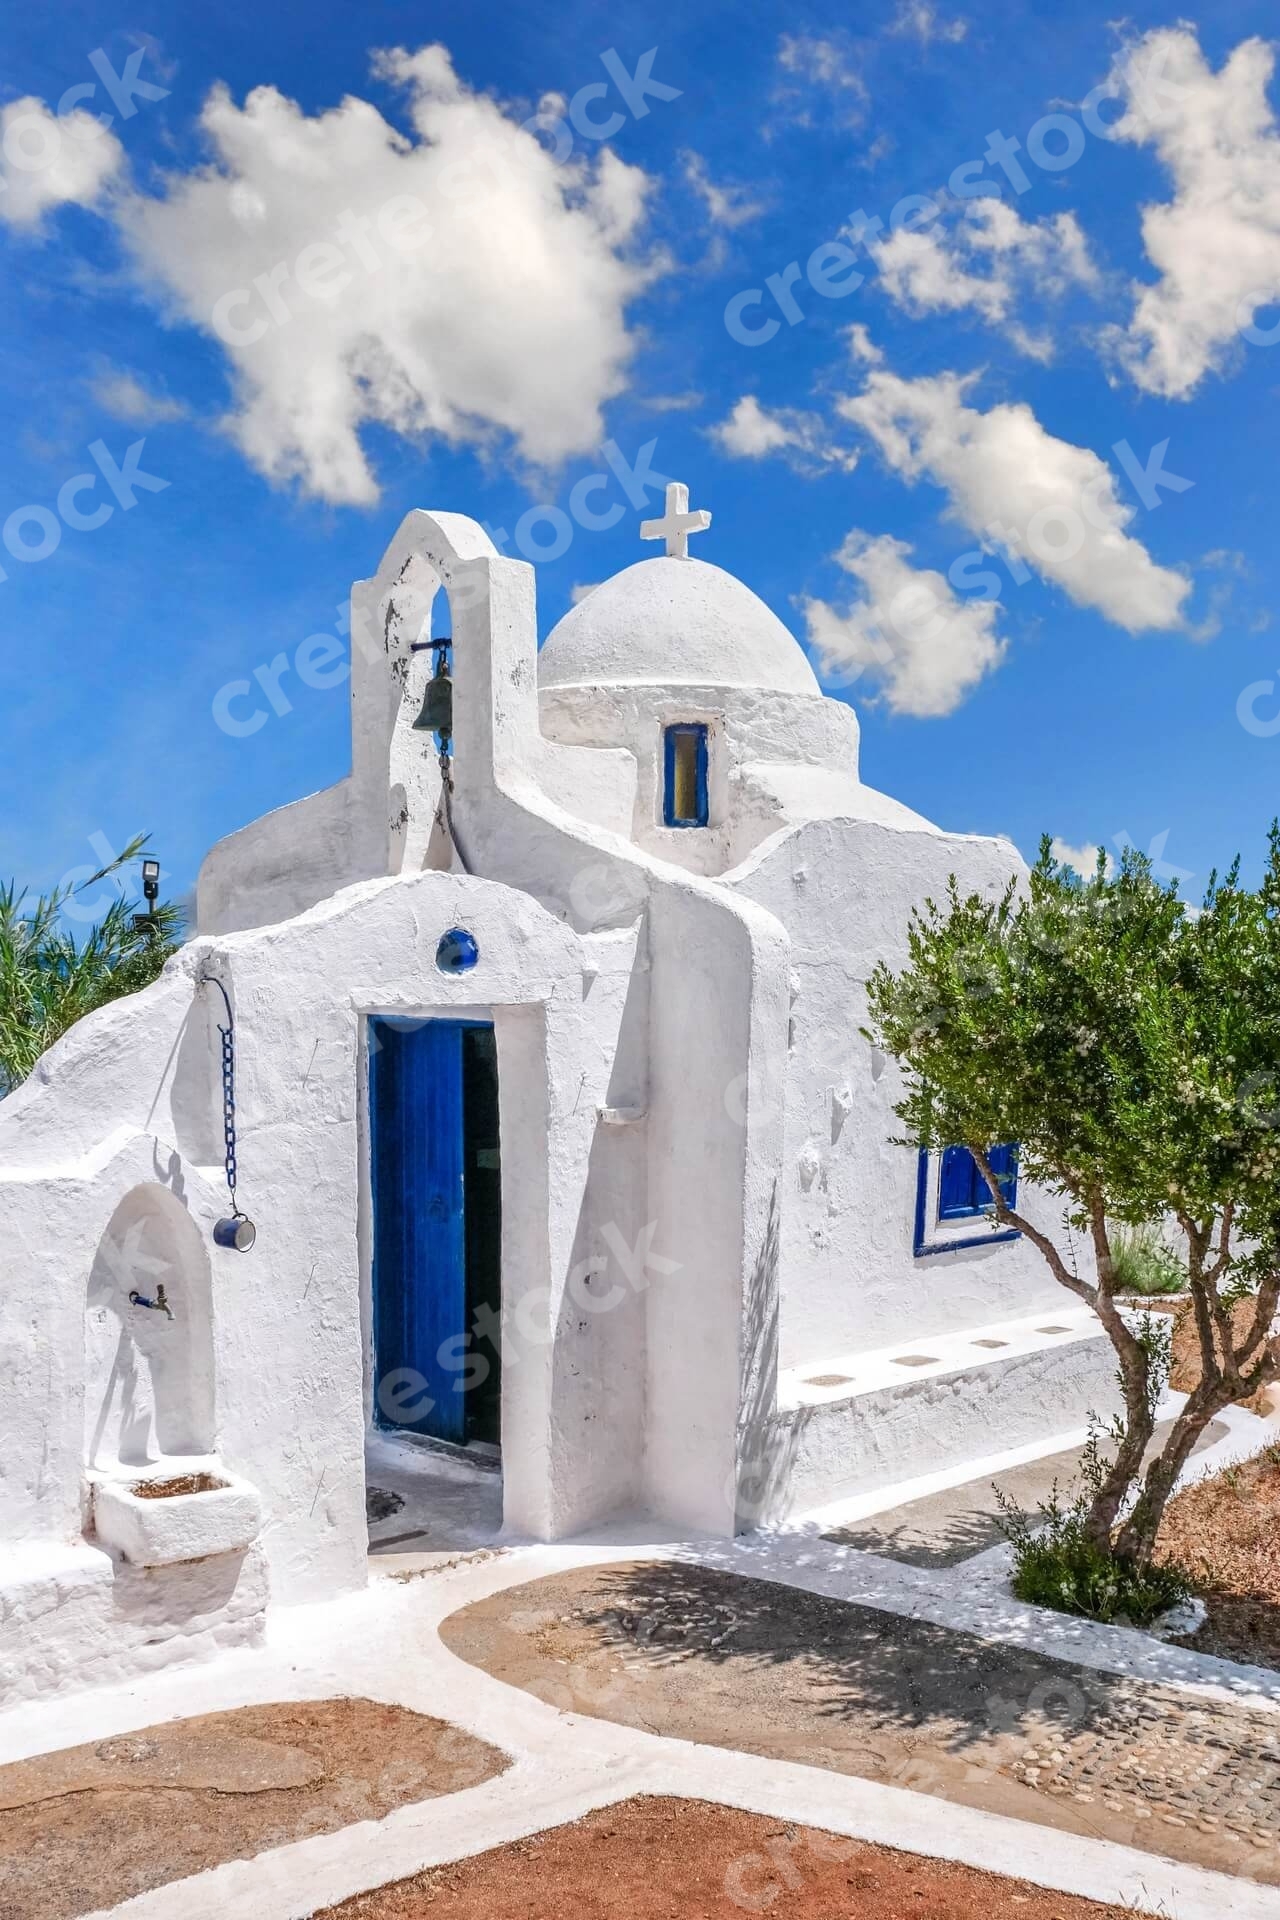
(385, 1644)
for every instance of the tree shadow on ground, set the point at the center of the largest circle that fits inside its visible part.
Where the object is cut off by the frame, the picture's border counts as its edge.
(948, 1541)
(884, 1671)
(944, 1529)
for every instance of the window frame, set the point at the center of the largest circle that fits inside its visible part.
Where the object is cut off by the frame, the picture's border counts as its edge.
(701, 732)
(945, 1228)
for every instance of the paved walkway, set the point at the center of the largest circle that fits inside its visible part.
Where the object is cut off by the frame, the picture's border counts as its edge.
(946, 1528)
(699, 1655)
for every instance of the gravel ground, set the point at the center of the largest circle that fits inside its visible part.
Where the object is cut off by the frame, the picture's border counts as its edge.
(1226, 1532)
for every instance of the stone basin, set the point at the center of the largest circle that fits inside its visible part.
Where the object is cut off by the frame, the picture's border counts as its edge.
(166, 1517)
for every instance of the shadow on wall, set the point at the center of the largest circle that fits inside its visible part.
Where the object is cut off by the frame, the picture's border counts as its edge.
(767, 1447)
(149, 1387)
(196, 1092)
(418, 837)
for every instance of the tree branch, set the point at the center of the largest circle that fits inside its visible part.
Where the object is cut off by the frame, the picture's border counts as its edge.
(1196, 1241)
(1009, 1216)
(1263, 1318)
(1219, 1266)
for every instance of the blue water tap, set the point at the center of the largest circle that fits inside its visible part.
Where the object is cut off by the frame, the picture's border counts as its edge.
(158, 1305)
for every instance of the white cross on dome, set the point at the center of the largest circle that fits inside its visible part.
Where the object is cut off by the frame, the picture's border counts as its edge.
(677, 523)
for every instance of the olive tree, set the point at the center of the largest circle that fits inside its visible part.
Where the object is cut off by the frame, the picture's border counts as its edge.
(1131, 1047)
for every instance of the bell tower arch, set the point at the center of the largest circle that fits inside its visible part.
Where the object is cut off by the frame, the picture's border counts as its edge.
(395, 774)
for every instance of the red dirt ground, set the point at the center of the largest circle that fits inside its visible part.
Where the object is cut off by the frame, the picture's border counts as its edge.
(1187, 1369)
(1226, 1533)
(84, 1828)
(655, 1859)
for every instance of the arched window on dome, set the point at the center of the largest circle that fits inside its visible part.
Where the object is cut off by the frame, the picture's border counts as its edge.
(684, 794)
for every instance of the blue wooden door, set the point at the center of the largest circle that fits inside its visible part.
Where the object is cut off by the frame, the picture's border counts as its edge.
(419, 1225)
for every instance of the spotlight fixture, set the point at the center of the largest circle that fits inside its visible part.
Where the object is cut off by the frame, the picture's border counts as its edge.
(145, 922)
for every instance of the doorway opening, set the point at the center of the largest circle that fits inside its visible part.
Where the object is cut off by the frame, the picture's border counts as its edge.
(436, 1177)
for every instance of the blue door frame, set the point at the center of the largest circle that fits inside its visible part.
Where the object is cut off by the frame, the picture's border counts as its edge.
(418, 1178)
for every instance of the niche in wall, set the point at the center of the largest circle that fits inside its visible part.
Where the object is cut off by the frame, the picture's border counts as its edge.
(149, 1385)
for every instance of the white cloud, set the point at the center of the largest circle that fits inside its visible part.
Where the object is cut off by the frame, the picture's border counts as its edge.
(825, 61)
(752, 432)
(126, 397)
(925, 647)
(861, 345)
(919, 18)
(727, 206)
(49, 160)
(1216, 244)
(457, 283)
(684, 402)
(1083, 859)
(988, 260)
(1046, 502)
(920, 273)
(822, 64)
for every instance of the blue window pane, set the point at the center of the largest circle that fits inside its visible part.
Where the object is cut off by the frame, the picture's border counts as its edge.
(962, 1191)
(955, 1183)
(684, 796)
(1004, 1164)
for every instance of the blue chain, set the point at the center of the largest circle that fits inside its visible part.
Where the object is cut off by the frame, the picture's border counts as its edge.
(228, 1038)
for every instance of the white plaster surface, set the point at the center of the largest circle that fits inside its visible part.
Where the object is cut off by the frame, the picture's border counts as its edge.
(673, 622)
(880, 1436)
(75, 1617)
(698, 1185)
(929, 1357)
(1246, 1436)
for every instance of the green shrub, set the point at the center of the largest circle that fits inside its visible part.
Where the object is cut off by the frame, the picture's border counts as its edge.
(1056, 1564)
(1144, 1264)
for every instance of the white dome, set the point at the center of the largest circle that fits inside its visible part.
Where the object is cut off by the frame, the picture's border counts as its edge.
(675, 623)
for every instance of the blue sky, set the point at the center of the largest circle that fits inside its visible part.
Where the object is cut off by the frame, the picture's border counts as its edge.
(982, 372)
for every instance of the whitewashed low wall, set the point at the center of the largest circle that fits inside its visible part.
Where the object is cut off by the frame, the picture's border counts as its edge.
(73, 1617)
(821, 1454)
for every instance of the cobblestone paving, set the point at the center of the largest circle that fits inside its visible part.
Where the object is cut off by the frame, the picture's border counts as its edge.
(1207, 1767)
(737, 1662)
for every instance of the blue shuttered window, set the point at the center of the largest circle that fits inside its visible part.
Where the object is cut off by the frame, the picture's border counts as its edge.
(684, 793)
(962, 1191)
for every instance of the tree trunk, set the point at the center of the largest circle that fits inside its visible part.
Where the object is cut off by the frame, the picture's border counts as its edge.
(1135, 1381)
(1137, 1539)
(1220, 1386)
(1139, 1426)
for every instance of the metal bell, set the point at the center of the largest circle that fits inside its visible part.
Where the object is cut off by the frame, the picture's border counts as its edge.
(437, 708)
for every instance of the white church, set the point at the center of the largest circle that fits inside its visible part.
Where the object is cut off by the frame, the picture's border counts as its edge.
(509, 1106)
